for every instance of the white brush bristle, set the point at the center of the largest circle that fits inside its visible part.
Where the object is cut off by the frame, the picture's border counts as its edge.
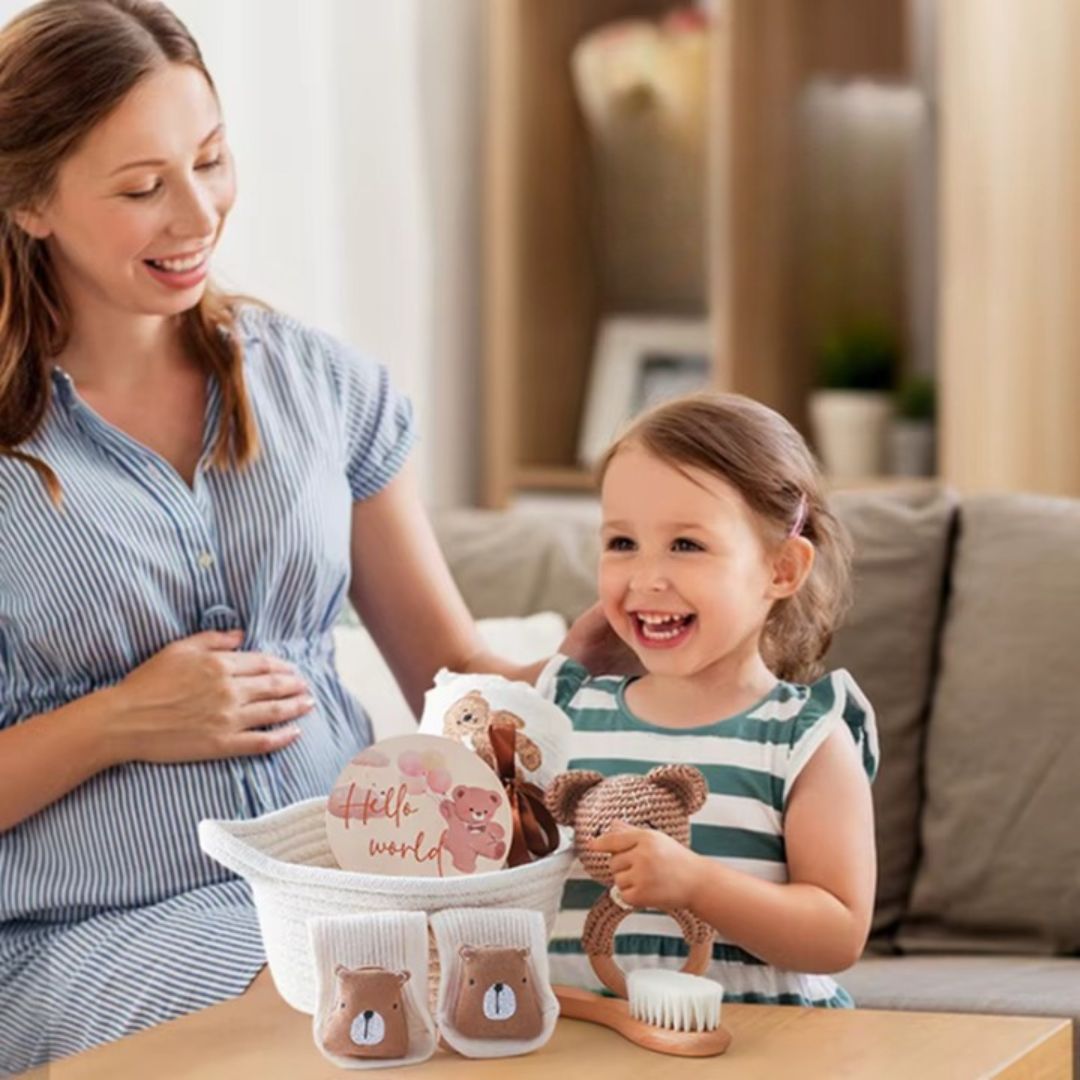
(674, 1000)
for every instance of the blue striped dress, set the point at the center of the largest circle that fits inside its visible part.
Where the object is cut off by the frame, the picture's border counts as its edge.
(111, 918)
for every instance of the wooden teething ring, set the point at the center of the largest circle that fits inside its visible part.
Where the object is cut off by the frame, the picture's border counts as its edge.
(598, 939)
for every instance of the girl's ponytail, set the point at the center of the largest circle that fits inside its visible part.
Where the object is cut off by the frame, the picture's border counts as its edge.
(799, 630)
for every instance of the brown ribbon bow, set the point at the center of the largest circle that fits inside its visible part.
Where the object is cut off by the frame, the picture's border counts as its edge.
(535, 832)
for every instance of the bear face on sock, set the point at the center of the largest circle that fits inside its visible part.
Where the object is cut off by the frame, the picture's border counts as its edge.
(497, 996)
(367, 1019)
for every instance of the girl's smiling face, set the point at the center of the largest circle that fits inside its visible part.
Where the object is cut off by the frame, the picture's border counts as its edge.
(139, 205)
(686, 578)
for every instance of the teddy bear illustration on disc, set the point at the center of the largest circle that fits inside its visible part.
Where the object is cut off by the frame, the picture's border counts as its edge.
(470, 831)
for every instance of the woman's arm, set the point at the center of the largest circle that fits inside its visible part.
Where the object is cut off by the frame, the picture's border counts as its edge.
(819, 920)
(403, 592)
(194, 700)
(46, 756)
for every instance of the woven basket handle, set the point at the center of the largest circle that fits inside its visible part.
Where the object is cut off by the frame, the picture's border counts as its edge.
(229, 850)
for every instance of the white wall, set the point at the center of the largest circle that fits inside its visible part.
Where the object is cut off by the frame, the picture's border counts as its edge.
(356, 129)
(357, 134)
(452, 91)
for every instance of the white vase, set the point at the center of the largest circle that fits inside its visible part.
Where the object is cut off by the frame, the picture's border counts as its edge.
(849, 429)
(911, 448)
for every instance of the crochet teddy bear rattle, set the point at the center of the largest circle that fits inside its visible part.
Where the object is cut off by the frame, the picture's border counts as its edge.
(664, 798)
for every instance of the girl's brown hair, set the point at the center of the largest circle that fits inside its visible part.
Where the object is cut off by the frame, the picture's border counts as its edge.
(64, 66)
(765, 459)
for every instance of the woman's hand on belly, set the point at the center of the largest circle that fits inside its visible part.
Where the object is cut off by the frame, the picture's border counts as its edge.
(199, 698)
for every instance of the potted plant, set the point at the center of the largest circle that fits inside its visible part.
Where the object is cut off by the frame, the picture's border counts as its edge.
(851, 409)
(911, 435)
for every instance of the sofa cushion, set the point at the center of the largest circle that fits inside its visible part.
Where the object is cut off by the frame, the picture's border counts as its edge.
(517, 562)
(1005, 985)
(1001, 825)
(888, 643)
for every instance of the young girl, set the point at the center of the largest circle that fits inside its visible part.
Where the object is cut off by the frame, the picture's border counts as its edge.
(724, 570)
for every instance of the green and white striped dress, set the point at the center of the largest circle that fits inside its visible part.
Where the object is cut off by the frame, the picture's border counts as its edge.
(750, 762)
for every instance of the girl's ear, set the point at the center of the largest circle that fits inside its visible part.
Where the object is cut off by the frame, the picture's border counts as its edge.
(32, 222)
(791, 567)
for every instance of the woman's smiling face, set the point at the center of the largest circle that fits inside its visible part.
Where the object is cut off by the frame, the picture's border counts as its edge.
(685, 577)
(139, 205)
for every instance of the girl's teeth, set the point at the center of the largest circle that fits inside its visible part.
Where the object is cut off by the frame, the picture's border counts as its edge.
(662, 627)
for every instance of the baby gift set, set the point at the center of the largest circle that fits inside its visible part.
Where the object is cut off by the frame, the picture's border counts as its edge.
(411, 908)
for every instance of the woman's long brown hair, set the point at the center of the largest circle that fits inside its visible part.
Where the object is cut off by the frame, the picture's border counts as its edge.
(64, 66)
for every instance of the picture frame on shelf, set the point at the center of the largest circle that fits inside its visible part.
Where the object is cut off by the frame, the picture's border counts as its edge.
(639, 361)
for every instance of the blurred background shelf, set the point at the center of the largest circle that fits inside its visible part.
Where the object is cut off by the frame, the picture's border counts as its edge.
(542, 301)
(1002, 275)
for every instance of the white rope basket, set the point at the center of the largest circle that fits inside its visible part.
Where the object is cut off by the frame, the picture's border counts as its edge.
(286, 859)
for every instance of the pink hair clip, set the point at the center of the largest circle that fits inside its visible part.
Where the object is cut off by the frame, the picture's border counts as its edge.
(800, 518)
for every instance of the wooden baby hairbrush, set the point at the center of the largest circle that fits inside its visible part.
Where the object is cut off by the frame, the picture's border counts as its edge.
(684, 1020)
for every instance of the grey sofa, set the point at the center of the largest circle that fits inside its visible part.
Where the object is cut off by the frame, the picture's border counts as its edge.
(965, 634)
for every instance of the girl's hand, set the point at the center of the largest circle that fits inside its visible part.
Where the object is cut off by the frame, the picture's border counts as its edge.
(651, 869)
(199, 699)
(594, 645)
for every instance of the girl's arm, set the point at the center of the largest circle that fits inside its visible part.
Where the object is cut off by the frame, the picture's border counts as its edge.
(820, 919)
(405, 596)
(816, 922)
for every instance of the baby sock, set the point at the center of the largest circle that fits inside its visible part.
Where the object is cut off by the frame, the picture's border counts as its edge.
(371, 973)
(495, 997)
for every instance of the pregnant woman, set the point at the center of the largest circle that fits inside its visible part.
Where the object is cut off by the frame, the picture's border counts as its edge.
(190, 488)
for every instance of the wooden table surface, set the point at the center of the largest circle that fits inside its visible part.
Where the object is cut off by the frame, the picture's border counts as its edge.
(258, 1035)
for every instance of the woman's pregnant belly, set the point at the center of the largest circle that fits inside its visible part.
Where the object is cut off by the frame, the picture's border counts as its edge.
(128, 836)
